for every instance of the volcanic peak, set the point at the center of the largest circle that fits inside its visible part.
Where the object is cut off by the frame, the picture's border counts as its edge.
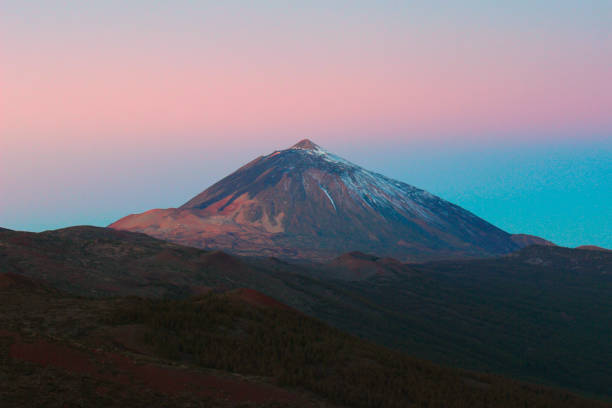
(306, 144)
(305, 202)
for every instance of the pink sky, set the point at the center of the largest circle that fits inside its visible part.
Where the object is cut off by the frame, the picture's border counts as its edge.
(339, 74)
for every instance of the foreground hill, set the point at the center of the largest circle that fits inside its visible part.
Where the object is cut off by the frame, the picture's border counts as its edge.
(217, 350)
(304, 202)
(102, 262)
(541, 314)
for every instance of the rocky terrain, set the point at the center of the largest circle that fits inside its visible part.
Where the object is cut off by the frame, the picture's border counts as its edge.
(539, 314)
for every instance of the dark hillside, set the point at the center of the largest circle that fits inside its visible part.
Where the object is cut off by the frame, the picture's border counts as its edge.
(217, 350)
(543, 314)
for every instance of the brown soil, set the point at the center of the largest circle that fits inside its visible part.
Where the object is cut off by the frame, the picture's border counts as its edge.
(256, 298)
(118, 368)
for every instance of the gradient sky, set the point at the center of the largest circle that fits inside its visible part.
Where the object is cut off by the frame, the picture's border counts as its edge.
(109, 108)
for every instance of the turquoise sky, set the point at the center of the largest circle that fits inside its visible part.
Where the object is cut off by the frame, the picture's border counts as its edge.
(561, 191)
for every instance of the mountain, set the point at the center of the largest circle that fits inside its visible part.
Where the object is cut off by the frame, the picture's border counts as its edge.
(304, 202)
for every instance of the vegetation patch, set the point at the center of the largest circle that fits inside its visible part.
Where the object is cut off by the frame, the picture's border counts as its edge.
(297, 351)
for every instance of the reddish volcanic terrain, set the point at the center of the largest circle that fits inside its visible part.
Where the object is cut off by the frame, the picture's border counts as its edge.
(237, 350)
(304, 202)
(593, 248)
(358, 266)
(255, 298)
(37, 345)
(525, 240)
(484, 314)
(102, 261)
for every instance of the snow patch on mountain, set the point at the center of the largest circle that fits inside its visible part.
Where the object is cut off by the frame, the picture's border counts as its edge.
(331, 200)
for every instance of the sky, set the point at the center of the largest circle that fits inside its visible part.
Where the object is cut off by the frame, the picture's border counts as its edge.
(109, 108)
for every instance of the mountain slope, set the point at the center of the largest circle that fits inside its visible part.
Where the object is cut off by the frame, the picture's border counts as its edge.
(525, 240)
(541, 314)
(304, 202)
(101, 262)
(58, 350)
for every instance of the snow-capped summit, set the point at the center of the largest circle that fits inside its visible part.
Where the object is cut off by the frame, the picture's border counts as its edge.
(305, 202)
